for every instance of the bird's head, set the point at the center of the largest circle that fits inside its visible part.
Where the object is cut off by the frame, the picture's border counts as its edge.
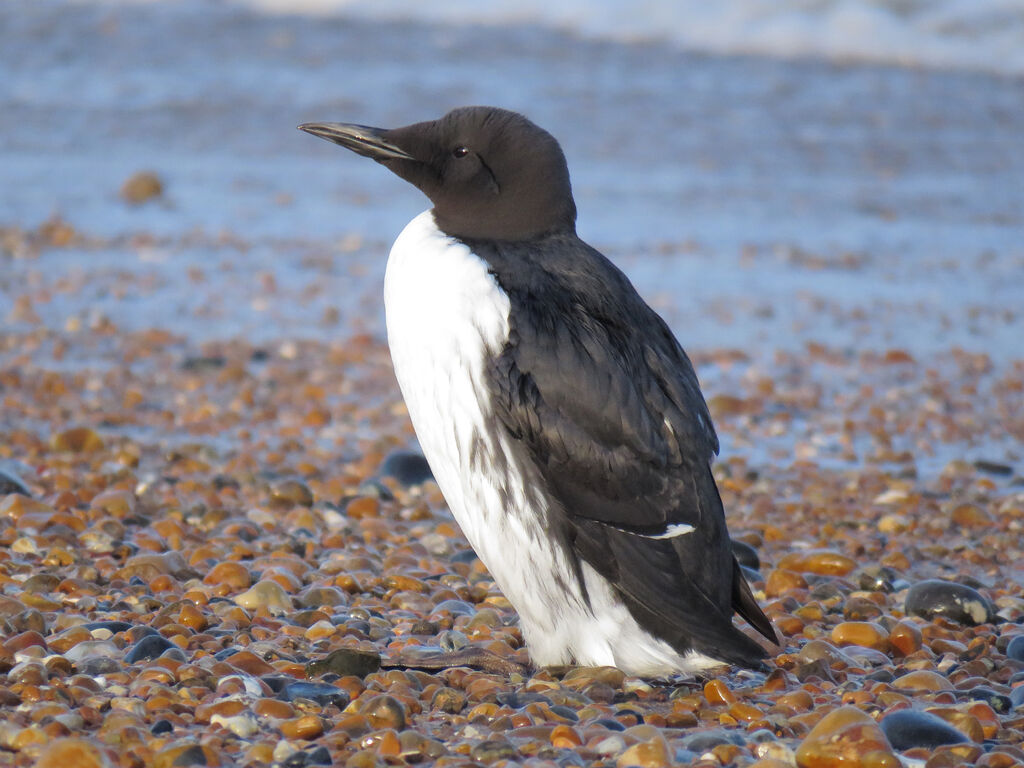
(489, 172)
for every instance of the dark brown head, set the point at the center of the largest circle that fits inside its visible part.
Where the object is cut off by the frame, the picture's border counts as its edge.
(489, 172)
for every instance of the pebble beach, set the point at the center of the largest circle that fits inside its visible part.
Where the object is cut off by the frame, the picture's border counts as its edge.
(219, 544)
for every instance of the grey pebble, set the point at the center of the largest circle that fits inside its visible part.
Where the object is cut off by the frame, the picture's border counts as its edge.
(321, 693)
(148, 647)
(908, 728)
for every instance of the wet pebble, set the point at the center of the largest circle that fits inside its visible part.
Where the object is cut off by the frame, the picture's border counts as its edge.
(845, 736)
(321, 693)
(1000, 703)
(1015, 648)
(149, 647)
(909, 728)
(384, 712)
(937, 597)
(345, 661)
(493, 750)
(267, 595)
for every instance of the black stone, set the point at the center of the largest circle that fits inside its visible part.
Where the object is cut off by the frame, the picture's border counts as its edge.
(746, 555)
(322, 693)
(908, 728)
(609, 724)
(345, 661)
(161, 727)
(149, 647)
(937, 597)
(999, 702)
(407, 467)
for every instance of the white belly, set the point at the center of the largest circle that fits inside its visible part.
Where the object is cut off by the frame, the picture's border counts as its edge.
(446, 317)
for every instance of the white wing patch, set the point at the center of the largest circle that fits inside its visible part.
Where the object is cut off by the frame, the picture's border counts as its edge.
(676, 529)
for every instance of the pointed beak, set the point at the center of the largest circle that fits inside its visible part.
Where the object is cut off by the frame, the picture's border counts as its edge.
(361, 139)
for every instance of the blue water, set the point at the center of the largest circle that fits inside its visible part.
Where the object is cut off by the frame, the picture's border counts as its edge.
(760, 201)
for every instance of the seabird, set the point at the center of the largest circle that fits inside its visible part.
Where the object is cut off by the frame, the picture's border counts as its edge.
(562, 420)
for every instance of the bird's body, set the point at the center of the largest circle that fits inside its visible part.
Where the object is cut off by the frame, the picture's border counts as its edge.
(562, 420)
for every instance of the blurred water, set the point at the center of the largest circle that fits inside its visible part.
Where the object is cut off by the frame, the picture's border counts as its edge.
(759, 201)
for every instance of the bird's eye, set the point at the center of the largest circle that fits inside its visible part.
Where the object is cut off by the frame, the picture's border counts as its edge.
(460, 152)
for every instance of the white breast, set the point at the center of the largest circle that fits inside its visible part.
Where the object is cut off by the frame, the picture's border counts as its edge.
(447, 317)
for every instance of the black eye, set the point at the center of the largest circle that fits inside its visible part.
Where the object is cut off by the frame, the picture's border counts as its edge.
(460, 152)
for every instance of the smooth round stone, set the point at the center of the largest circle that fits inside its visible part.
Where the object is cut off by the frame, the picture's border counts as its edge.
(149, 647)
(999, 702)
(266, 594)
(98, 665)
(876, 578)
(455, 608)
(905, 637)
(321, 693)
(922, 680)
(492, 750)
(822, 650)
(113, 627)
(288, 493)
(647, 754)
(937, 597)
(448, 700)
(317, 597)
(1017, 696)
(77, 440)
(452, 640)
(29, 621)
(243, 724)
(705, 741)
(90, 649)
(344, 662)
(40, 582)
(409, 468)
(908, 728)
(864, 633)
(845, 736)
(231, 574)
(384, 712)
(73, 752)
(1015, 648)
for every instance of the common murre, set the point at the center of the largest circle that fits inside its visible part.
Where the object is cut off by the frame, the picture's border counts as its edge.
(562, 420)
